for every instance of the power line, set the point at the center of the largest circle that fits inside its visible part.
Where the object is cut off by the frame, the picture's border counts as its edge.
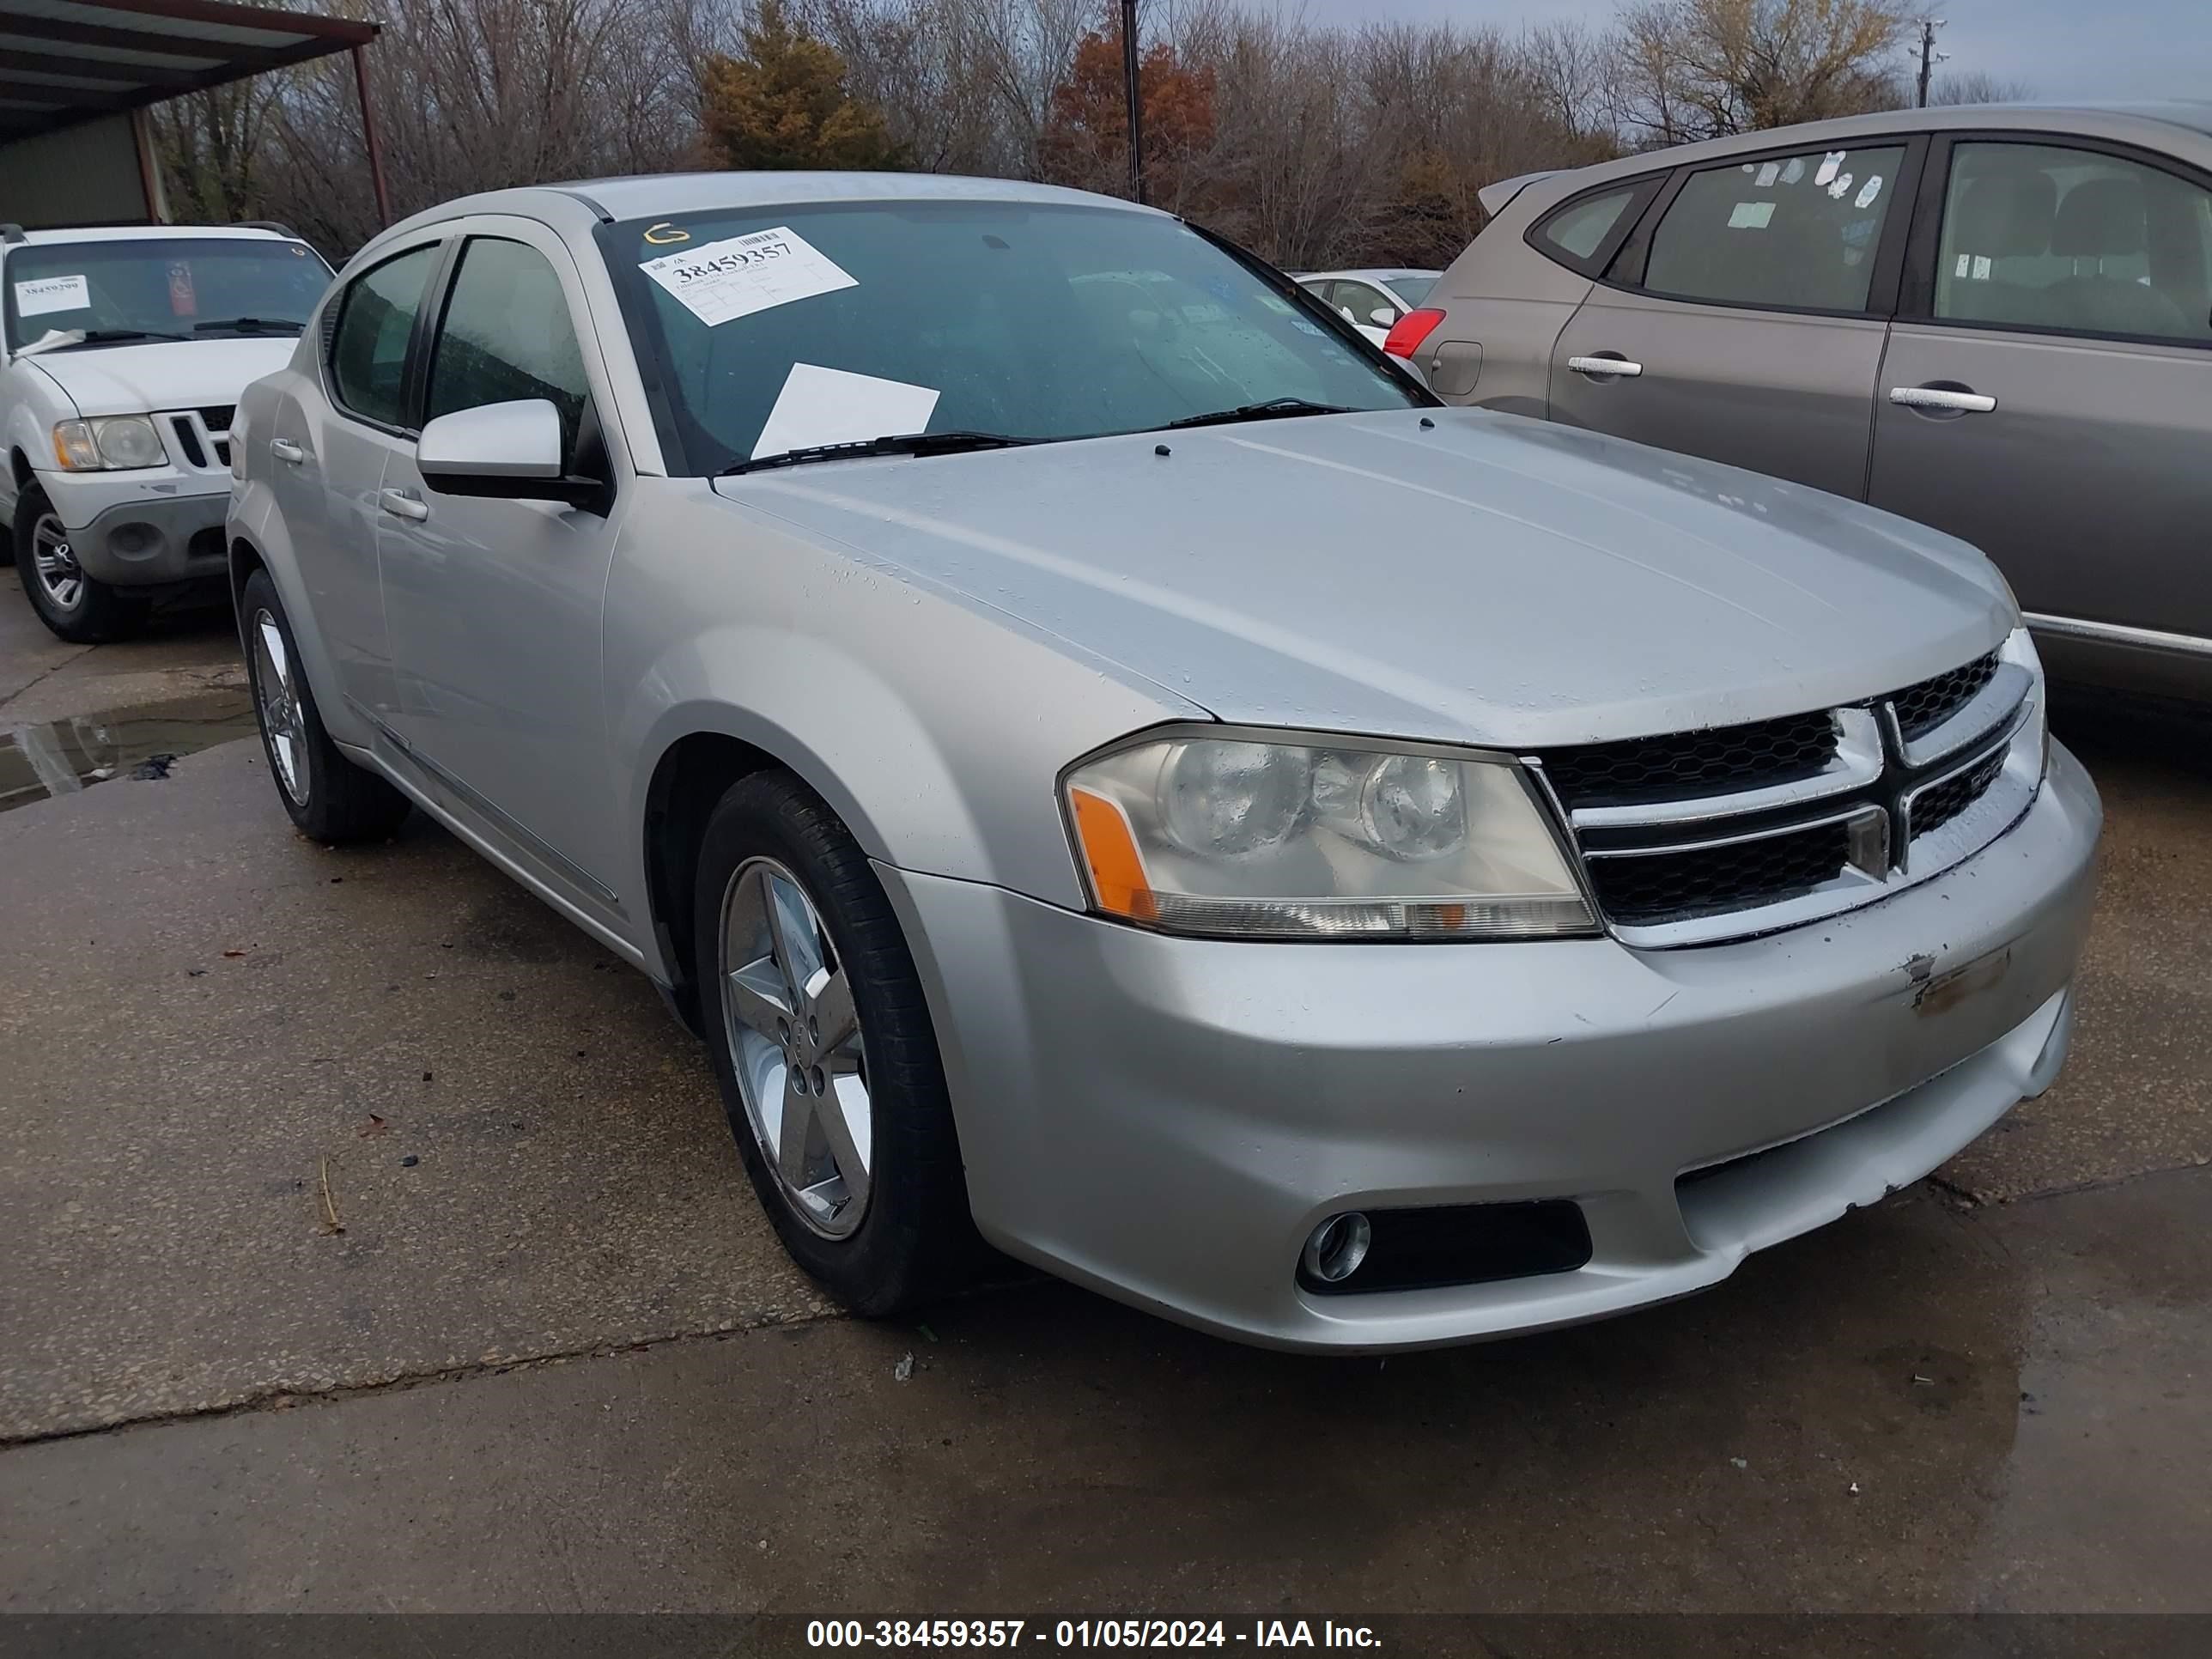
(1929, 55)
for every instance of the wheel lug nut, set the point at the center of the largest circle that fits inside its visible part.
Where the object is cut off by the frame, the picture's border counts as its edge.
(820, 1086)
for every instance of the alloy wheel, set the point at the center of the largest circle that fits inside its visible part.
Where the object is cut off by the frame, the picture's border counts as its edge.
(794, 1036)
(276, 690)
(53, 563)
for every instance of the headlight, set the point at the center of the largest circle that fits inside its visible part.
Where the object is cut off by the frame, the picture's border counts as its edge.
(117, 442)
(1254, 838)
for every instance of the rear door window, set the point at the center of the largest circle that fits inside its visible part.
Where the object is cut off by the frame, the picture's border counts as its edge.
(368, 349)
(2039, 236)
(1794, 233)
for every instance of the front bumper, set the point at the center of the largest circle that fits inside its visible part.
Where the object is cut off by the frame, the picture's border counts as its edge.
(1167, 1119)
(161, 526)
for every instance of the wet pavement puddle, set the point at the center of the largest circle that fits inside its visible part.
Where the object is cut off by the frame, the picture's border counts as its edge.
(60, 757)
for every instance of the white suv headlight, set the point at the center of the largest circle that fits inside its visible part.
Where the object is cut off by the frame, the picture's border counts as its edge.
(1265, 838)
(114, 443)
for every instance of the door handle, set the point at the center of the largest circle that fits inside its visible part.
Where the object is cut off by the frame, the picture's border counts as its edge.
(285, 450)
(402, 505)
(1942, 399)
(1605, 367)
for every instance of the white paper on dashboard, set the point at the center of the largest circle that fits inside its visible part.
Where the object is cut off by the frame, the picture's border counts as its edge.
(1750, 215)
(830, 406)
(44, 294)
(720, 282)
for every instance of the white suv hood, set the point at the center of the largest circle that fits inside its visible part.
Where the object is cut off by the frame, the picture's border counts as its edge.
(163, 375)
(1486, 578)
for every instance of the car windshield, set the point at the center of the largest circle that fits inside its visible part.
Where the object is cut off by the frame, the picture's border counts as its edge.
(128, 290)
(782, 329)
(1411, 290)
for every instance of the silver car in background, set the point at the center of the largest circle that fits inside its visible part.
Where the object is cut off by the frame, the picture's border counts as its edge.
(1997, 321)
(1107, 764)
(1374, 302)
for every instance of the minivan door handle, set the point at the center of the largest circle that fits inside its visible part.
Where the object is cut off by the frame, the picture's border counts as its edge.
(1943, 400)
(285, 450)
(402, 505)
(1606, 366)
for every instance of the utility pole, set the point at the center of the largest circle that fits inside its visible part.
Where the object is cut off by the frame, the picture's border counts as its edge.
(1929, 55)
(1136, 104)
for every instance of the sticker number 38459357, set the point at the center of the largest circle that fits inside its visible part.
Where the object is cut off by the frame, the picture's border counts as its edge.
(720, 282)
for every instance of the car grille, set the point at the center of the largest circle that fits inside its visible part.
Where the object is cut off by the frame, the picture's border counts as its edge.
(1921, 708)
(1711, 880)
(204, 437)
(1697, 762)
(1743, 828)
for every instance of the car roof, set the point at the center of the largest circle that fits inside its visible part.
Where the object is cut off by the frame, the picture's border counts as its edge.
(154, 233)
(2185, 123)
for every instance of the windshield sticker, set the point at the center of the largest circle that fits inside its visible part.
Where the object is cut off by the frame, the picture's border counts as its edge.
(720, 282)
(1865, 197)
(1276, 302)
(665, 234)
(1794, 171)
(830, 406)
(1767, 175)
(1842, 187)
(1829, 163)
(44, 294)
(1750, 215)
(182, 302)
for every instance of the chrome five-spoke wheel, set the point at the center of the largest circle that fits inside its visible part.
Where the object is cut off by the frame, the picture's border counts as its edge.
(54, 564)
(278, 695)
(795, 1038)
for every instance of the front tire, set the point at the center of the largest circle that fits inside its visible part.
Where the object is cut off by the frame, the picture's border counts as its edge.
(328, 798)
(72, 604)
(822, 1042)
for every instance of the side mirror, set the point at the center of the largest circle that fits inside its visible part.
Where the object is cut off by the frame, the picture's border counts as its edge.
(1383, 317)
(511, 451)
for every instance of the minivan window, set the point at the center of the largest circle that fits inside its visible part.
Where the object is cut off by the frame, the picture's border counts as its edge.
(1581, 229)
(2039, 236)
(368, 353)
(1797, 231)
(127, 290)
(1029, 320)
(508, 337)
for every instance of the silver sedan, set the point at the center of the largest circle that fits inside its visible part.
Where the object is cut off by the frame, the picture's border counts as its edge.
(1113, 771)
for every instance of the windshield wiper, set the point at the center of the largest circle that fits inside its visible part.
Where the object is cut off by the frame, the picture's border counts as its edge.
(904, 443)
(251, 326)
(1275, 409)
(96, 337)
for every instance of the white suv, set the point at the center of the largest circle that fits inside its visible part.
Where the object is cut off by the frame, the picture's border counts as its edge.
(124, 354)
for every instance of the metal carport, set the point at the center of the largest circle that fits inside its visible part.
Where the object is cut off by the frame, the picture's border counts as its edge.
(77, 75)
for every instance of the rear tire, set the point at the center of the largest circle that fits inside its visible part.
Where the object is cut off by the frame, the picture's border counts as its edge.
(72, 604)
(328, 796)
(787, 909)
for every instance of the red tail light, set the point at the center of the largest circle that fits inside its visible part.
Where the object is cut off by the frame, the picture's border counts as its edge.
(1409, 331)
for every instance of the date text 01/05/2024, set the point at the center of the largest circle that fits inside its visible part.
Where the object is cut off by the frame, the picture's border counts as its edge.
(897, 1633)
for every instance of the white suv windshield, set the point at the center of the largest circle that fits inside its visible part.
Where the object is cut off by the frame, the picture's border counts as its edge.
(779, 329)
(128, 290)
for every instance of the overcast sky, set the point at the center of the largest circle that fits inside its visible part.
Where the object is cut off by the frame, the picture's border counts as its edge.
(2062, 49)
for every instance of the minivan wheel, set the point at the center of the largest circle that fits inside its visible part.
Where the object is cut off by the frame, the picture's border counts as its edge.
(823, 1045)
(326, 795)
(75, 607)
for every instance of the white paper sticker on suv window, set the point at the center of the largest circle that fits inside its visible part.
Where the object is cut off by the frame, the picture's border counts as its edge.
(821, 405)
(1768, 174)
(1794, 171)
(1865, 197)
(1750, 216)
(44, 294)
(1829, 163)
(719, 281)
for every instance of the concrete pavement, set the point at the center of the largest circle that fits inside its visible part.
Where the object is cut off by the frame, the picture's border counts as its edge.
(555, 1360)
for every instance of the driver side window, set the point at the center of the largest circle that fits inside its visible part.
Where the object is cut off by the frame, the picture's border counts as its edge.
(506, 336)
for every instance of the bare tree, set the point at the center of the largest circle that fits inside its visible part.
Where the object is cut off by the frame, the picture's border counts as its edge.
(1702, 68)
(1977, 87)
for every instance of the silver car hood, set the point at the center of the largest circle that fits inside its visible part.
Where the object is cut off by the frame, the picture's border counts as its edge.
(1489, 580)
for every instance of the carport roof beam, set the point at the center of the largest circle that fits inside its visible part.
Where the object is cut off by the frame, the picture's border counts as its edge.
(125, 54)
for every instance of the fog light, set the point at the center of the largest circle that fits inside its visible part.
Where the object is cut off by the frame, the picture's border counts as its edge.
(128, 539)
(1337, 1247)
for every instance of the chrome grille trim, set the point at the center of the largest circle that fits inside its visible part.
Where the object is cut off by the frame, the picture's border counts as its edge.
(1995, 744)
